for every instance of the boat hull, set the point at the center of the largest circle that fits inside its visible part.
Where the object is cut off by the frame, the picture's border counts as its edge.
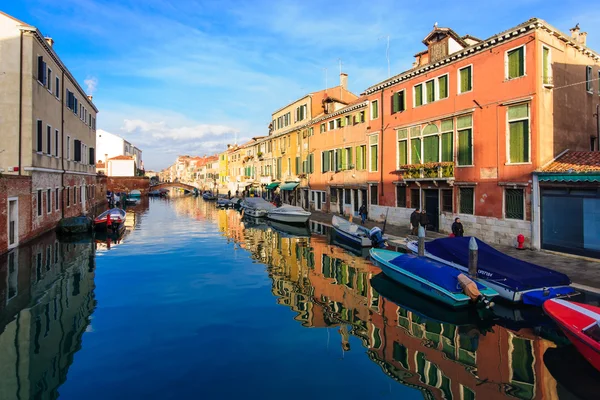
(573, 318)
(254, 212)
(419, 284)
(505, 292)
(356, 240)
(288, 218)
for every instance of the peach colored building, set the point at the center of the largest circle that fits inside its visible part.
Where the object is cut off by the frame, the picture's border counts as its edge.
(462, 131)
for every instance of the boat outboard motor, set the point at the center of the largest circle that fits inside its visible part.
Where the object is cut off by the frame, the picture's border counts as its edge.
(376, 236)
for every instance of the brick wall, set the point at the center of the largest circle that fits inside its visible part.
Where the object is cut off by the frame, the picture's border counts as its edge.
(19, 187)
(128, 183)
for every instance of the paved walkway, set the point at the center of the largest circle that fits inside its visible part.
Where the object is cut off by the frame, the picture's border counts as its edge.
(583, 272)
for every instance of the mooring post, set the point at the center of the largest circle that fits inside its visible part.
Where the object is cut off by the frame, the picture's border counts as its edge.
(421, 241)
(473, 250)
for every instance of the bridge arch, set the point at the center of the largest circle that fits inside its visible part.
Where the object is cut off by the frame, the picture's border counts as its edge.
(167, 185)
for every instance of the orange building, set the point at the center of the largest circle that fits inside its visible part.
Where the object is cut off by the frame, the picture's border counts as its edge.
(461, 132)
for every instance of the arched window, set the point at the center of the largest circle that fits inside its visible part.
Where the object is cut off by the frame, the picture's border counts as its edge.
(430, 129)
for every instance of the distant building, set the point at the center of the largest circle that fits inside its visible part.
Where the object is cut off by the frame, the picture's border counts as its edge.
(121, 166)
(110, 145)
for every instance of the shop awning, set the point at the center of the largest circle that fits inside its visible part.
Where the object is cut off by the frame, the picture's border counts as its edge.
(289, 186)
(272, 186)
(569, 177)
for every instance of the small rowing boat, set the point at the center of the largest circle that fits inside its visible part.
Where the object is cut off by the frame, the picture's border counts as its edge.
(289, 214)
(357, 234)
(114, 217)
(580, 323)
(432, 279)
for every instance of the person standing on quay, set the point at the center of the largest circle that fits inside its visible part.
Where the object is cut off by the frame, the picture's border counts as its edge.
(457, 228)
(363, 213)
(423, 220)
(415, 217)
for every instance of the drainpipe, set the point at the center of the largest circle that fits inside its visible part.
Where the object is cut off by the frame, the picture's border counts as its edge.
(20, 97)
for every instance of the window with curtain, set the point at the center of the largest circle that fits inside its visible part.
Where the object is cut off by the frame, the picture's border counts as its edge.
(418, 95)
(546, 66)
(374, 153)
(431, 148)
(464, 127)
(518, 130)
(443, 87)
(466, 200)
(415, 151)
(447, 140)
(465, 79)
(516, 62)
(430, 88)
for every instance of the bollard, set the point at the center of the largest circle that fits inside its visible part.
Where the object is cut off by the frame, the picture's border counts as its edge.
(473, 250)
(421, 252)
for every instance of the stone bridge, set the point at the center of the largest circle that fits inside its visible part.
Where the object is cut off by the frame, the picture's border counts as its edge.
(167, 185)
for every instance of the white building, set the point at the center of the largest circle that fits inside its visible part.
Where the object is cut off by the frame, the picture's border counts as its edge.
(110, 145)
(121, 166)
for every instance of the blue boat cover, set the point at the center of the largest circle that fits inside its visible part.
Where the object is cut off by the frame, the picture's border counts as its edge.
(432, 271)
(494, 265)
(537, 297)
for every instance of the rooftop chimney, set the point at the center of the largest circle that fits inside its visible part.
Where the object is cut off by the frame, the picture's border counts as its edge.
(575, 32)
(90, 97)
(582, 38)
(344, 80)
(49, 40)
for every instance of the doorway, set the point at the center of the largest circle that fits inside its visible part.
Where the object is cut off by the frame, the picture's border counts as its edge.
(355, 200)
(305, 198)
(432, 207)
(341, 201)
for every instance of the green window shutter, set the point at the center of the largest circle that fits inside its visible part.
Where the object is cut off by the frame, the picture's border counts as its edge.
(395, 103)
(342, 122)
(402, 100)
(374, 109)
(344, 159)
(447, 146)
(430, 86)
(311, 163)
(297, 165)
(402, 152)
(358, 161)
(418, 95)
(349, 151)
(415, 152)
(443, 83)
(519, 141)
(465, 79)
(340, 161)
(374, 160)
(465, 146)
(431, 149)
(516, 64)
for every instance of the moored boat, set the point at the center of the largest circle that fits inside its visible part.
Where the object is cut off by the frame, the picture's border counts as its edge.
(580, 323)
(289, 214)
(515, 280)
(432, 279)
(256, 207)
(223, 201)
(357, 234)
(209, 196)
(135, 194)
(117, 218)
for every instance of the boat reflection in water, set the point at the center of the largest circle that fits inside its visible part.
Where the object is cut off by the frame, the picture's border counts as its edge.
(46, 299)
(446, 354)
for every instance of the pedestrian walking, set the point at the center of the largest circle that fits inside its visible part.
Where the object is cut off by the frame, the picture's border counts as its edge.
(423, 220)
(457, 228)
(229, 194)
(363, 213)
(415, 217)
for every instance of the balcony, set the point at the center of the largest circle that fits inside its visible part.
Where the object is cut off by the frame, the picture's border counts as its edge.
(427, 171)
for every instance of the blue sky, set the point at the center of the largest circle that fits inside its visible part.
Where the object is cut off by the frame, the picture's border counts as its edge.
(188, 77)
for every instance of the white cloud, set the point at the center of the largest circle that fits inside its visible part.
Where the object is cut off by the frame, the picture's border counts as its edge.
(160, 130)
(91, 83)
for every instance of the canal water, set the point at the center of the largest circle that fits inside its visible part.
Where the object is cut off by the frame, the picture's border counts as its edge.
(191, 302)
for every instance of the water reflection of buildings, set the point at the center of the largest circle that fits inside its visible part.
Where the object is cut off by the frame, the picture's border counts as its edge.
(327, 286)
(46, 298)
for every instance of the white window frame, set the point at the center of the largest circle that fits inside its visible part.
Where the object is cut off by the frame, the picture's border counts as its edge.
(398, 140)
(414, 97)
(372, 108)
(506, 78)
(369, 150)
(16, 243)
(437, 92)
(49, 200)
(549, 84)
(48, 78)
(589, 76)
(455, 140)
(426, 93)
(57, 88)
(458, 80)
(508, 162)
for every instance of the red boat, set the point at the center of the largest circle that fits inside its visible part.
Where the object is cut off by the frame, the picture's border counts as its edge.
(580, 323)
(117, 218)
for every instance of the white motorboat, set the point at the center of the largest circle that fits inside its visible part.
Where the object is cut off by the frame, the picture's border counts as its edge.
(357, 234)
(256, 207)
(289, 214)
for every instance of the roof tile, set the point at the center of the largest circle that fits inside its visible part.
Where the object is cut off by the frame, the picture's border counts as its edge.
(575, 161)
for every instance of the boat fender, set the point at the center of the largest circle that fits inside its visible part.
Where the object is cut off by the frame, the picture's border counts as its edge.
(469, 287)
